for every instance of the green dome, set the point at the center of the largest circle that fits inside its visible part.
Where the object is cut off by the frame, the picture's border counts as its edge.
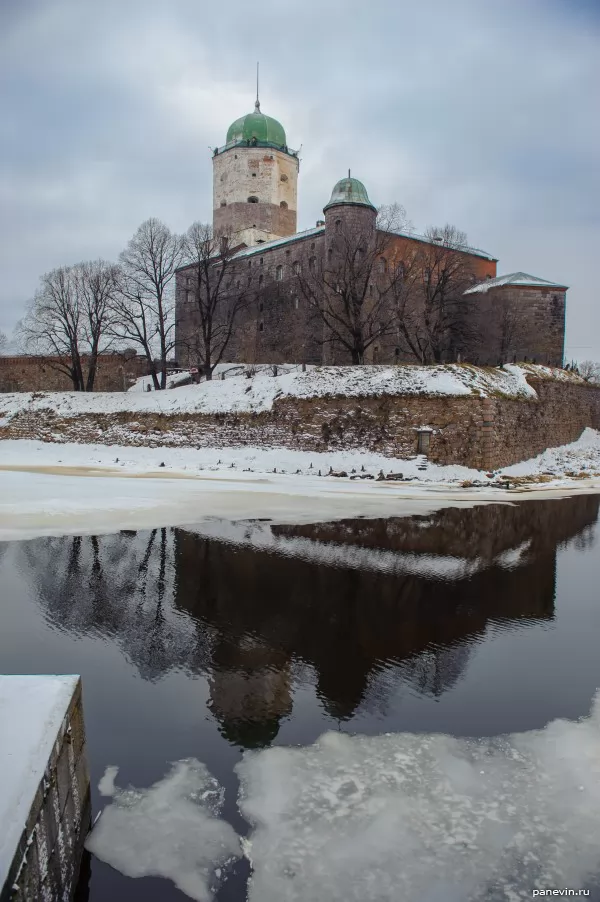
(257, 125)
(349, 191)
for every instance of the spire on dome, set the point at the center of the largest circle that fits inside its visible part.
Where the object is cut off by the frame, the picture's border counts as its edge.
(257, 103)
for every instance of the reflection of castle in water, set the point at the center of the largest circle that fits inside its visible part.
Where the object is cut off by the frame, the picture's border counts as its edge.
(246, 616)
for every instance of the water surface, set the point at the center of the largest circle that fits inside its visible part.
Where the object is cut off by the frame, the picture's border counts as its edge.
(202, 643)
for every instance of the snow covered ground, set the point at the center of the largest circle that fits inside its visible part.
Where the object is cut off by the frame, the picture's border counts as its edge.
(54, 489)
(257, 393)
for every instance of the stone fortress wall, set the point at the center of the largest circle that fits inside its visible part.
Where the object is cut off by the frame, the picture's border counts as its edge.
(486, 433)
(116, 372)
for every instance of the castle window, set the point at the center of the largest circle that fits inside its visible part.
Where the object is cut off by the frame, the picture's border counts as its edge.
(223, 203)
(287, 253)
(396, 352)
(261, 327)
(312, 247)
(311, 262)
(283, 178)
(283, 205)
(382, 265)
(252, 199)
(260, 280)
(338, 225)
(261, 307)
(371, 290)
(253, 175)
(297, 268)
(296, 303)
(262, 260)
(330, 254)
(249, 262)
(279, 273)
(238, 285)
(400, 270)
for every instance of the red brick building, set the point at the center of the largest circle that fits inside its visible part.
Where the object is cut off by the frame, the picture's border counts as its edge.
(255, 199)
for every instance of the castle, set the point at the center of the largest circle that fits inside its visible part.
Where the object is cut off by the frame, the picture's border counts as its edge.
(255, 190)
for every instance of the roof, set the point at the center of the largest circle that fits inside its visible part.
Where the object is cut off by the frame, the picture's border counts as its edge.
(519, 279)
(465, 248)
(316, 231)
(257, 126)
(349, 191)
(277, 242)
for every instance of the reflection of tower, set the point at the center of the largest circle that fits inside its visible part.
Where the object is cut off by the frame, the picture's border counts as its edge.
(250, 691)
(255, 180)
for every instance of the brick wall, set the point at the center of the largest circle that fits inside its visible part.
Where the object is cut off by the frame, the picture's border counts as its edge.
(485, 433)
(522, 324)
(116, 372)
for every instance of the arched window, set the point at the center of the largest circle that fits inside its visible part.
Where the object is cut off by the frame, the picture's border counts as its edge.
(283, 177)
(279, 273)
(252, 199)
(330, 254)
(382, 265)
(297, 268)
(261, 307)
(312, 262)
(261, 327)
(260, 280)
(262, 260)
(283, 205)
(296, 303)
(338, 225)
(400, 270)
(223, 203)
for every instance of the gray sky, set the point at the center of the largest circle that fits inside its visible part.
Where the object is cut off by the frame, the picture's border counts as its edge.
(478, 113)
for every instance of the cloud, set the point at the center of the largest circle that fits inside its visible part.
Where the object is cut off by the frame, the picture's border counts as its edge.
(478, 114)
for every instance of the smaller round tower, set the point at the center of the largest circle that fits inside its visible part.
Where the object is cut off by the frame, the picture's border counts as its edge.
(255, 181)
(350, 205)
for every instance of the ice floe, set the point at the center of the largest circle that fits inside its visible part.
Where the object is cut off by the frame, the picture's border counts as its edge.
(427, 817)
(172, 829)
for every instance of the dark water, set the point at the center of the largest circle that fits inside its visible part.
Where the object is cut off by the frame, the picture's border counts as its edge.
(201, 644)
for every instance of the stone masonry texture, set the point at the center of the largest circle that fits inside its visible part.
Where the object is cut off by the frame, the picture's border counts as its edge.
(46, 864)
(486, 433)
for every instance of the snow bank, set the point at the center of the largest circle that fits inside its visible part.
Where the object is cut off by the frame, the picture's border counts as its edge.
(426, 817)
(242, 394)
(170, 830)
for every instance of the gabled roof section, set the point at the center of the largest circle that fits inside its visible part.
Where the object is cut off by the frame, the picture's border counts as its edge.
(279, 242)
(465, 248)
(518, 279)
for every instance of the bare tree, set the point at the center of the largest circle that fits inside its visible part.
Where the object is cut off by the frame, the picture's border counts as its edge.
(67, 322)
(220, 289)
(351, 290)
(3, 342)
(435, 321)
(144, 309)
(590, 371)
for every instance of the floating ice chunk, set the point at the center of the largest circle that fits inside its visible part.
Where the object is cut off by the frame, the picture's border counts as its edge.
(106, 785)
(426, 817)
(170, 830)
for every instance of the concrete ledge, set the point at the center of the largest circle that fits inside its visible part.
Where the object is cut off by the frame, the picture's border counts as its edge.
(44, 787)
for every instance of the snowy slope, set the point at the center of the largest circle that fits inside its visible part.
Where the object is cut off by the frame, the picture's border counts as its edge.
(257, 393)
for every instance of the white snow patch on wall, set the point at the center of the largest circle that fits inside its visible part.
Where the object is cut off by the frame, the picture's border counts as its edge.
(170, 830)
(426, 817)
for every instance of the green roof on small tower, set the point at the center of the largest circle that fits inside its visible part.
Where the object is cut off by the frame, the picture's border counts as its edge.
(256, 125)
(349, 191)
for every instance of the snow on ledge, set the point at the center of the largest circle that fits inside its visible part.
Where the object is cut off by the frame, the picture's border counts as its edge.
(258, 393)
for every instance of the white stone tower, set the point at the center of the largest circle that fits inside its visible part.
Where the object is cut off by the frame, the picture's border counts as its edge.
(255, 181)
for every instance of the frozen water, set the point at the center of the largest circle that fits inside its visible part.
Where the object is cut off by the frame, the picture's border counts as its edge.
(426, 817)
(170, 830)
